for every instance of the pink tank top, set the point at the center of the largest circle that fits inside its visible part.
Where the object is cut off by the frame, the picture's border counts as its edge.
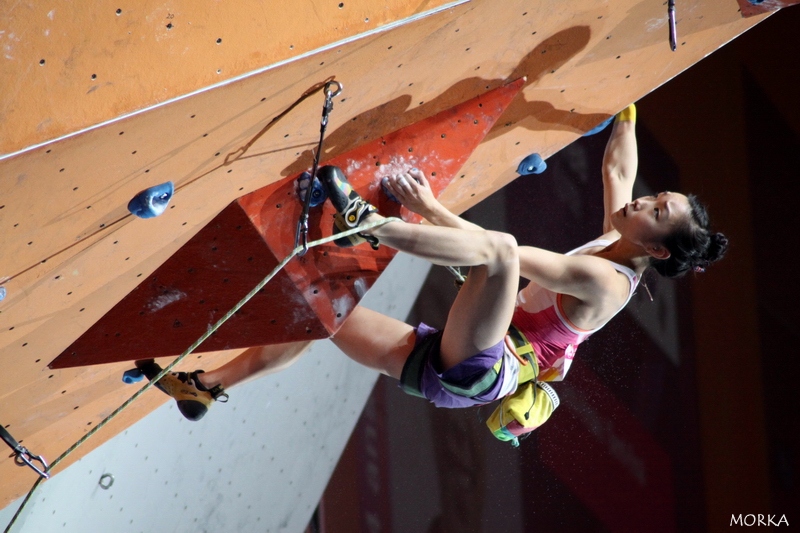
(540, 317)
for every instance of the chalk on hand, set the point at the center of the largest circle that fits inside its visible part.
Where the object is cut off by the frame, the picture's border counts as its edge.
(388, 194)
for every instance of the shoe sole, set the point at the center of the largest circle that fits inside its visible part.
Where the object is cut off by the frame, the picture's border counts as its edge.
(192, 403)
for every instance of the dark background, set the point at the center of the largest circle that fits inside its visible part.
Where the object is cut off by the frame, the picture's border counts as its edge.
(681, 413)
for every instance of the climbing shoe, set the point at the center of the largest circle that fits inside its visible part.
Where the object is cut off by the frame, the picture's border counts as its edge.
(193, 397)
(351, 209)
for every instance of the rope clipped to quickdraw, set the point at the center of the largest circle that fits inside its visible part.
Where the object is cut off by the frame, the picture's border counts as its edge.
(22, 456)
(193, 347)
(302, 224)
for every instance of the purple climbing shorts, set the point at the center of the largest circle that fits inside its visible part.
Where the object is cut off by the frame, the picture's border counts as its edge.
(473, 381)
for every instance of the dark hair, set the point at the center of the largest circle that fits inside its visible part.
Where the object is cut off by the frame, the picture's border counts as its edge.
(691, 246)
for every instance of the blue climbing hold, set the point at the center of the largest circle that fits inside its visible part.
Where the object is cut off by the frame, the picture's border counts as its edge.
(132, 376)
(2, 293)
(533, 164)
(318, 194)
(152, 202)
(600, 127)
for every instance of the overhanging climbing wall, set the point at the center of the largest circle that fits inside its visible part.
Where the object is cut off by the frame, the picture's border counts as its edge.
(98, 105)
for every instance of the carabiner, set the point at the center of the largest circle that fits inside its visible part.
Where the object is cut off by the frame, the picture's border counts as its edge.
(304, 232)
(328, 106)
(22, 456)
(329, 94)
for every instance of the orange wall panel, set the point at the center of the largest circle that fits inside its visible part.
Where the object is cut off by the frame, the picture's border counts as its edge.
(67, 66)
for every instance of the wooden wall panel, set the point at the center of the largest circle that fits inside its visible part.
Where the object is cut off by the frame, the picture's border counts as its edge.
(67, 66)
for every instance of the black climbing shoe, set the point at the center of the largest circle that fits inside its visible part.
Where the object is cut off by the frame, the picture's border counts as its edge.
(351, 209)
(193, 397)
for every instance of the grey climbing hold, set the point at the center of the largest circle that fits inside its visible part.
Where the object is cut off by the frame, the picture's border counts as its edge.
(152, 202)
(533, 164)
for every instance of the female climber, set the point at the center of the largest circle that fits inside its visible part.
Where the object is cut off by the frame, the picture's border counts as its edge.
(478, 356)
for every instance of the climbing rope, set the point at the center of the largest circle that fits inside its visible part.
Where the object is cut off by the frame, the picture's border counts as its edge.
(191, 348)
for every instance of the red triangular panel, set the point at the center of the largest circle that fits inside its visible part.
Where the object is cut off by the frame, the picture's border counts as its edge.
(313, 294)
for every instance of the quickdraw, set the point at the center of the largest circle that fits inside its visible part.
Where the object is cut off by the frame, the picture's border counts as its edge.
(673, 28)
(302, 224)
(22, 456)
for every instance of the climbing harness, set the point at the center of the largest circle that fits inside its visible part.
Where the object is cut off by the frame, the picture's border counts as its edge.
(302, 224)
(518, 413)
(525, 409)
(211, 330)
(22, 456)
